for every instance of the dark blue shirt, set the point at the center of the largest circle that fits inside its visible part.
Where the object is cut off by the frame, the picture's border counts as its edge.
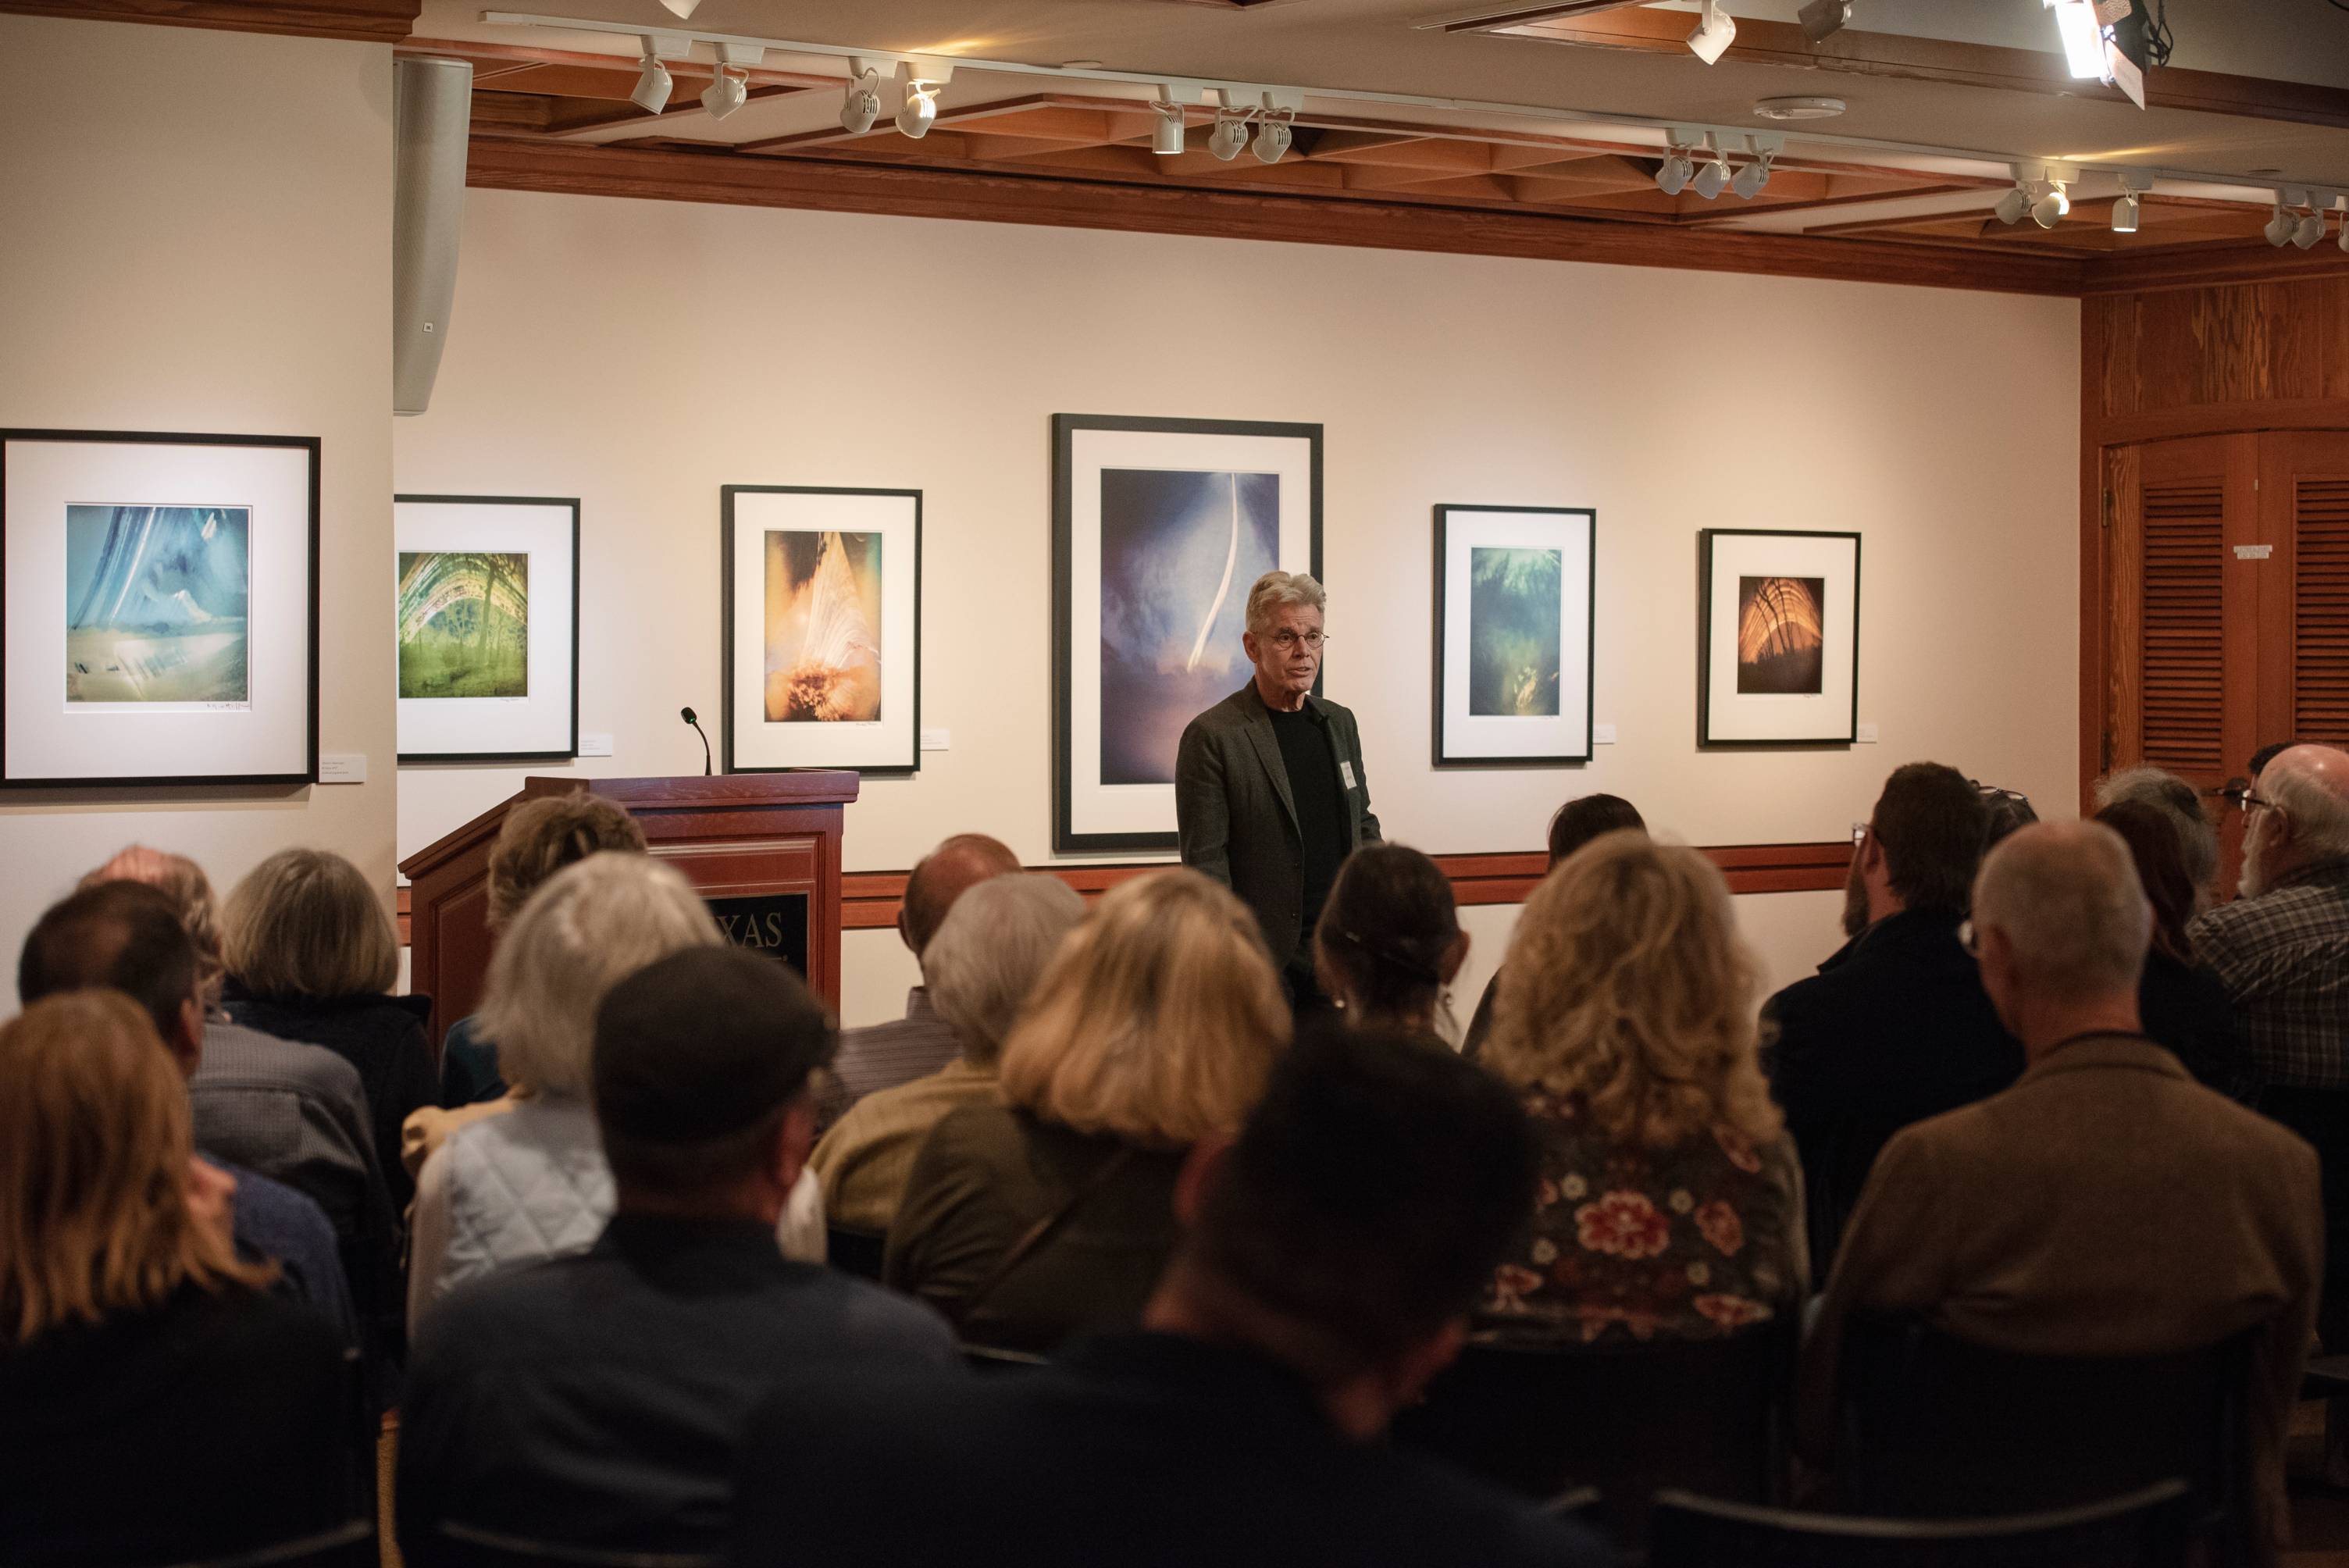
(273, 1221)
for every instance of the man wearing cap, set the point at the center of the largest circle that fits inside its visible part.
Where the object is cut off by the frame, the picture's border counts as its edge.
(596, 1400)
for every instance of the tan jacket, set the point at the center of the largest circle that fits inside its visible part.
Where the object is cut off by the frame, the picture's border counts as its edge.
(2106, 1205)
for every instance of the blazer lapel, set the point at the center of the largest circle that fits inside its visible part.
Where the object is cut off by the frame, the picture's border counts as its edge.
(1267, 749)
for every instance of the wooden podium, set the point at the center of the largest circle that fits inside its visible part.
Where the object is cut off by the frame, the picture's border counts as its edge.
(763, 848)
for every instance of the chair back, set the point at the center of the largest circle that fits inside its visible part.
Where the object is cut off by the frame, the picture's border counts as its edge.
(855, 1252)
(2148, 1528)
(990, 1360)
(351, 1546)
(469, 1546)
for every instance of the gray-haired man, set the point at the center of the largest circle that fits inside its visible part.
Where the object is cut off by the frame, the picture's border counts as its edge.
(1270, 794)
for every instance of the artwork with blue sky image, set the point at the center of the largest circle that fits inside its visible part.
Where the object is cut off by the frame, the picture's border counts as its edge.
(155, 603)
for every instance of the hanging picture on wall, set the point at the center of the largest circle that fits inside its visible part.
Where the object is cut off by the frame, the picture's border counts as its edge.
(823, 621)
(1159, 529)
(159, 622)
(1513, 635)
(485, 606)
(1778, 637)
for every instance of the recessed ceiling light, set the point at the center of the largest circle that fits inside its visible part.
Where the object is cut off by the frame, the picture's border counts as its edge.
(1798, 109)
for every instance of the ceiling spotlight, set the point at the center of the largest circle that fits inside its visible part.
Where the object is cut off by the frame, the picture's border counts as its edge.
(1714, 30)
(2282, 227)
(1751, 177)
(2011, 206)
(1166, 132)
(726, 93)
(1674, 173)
(863, 104)
(1272, 139)
(1821, 19)
(2343, 203)
(919, 110)
(2125, 214)
(653, 85)
(682, 9)
(2310, 230)
(2082, 32)
(1229, 138)
(2052, 205)
(1712, 179)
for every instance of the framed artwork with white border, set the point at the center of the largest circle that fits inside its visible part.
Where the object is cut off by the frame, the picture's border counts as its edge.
(1513, 635)
(158, 609)
(486, 618)
(1778, 637)
(1159, 529)
(821, 629)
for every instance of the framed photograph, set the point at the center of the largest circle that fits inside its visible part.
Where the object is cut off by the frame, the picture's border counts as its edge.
(487, 618)
(823, 629)
(1778, 637)
(1512, 639)
(1159, 529)
(158, 609)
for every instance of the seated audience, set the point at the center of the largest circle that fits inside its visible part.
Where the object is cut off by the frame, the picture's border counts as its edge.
(598, 1399)
(2008, 808)
(1578, 822)
(2267, 754)
(311, 954)
(1052, 1213)
(979, 969)
(2183, 1006)
(1895, 1026)
(532, 1182)
(1328, 1261)
(1389, 942)
(2104, 1205)
(157, 1405)
(2197, 836)
(1671, 1198)
(883, 1055)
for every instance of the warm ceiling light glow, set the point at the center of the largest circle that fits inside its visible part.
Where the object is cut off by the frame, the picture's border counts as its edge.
(2052, 206)
(919, 112)
(2126, 214)
(1167, 131)
(2083, 35)
(1714, 32)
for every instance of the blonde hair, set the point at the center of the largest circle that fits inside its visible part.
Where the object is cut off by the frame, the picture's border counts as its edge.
(183, 881)
(541, 837)
(305, 923)
(1157, 1021)
(590, 927)
(94, 1151)
(1626, 985)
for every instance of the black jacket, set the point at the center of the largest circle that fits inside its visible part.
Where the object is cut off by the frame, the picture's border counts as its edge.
(383, 1036)
(2187, 1010)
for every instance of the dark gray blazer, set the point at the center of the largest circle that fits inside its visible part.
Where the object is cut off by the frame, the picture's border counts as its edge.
(1237, 817)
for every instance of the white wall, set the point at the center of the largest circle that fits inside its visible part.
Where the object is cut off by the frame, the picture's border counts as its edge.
(195, 235)
(640, 355)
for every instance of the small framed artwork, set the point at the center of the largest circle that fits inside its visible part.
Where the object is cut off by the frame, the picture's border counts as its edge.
(1159, 529)
(1778, 637)
(487, 611)
(158, 609)
(1513, 635)
(822, 617)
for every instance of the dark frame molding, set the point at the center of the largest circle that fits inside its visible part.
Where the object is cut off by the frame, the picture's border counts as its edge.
(1704, 539)
(1589, 642)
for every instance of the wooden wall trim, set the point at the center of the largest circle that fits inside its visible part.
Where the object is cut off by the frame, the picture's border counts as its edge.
(2199, 266)
(357, 21)
(2215, 418)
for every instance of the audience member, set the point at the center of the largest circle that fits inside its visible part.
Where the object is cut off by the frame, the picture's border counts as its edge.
(1670, 1203)
(156, 1405)
(2104, 1205)
(884, 1055)
(979, 969)
(2197, 838)
(311, 956)
(2008, 810)
(2267, 754)
(1578, 822)
(1389, 942)
(597, 1400)
(1895, 1026)
(1328, 1261)
(1029, 1221)
(2182, 1004)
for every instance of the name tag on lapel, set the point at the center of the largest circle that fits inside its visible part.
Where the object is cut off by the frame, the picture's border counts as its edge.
(1345, 771)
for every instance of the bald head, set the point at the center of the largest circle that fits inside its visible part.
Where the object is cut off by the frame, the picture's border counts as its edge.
(2060, 917)
(2304, 819)
(944, 875)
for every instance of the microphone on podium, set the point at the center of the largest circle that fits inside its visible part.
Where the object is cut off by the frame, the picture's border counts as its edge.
(687, 714)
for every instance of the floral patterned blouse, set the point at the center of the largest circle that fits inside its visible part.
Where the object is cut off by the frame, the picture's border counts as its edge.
(1693, 1242)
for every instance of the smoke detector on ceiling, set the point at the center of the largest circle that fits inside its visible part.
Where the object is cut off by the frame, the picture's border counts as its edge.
(1799, 107)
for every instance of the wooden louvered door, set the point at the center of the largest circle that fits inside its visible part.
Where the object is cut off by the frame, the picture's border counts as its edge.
(2304, 596)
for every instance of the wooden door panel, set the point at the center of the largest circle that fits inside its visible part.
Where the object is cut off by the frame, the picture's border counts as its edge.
(2304, 605)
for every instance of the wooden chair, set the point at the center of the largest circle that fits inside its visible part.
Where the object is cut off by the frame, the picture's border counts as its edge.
(467, 1546)
(351, 1546)
(854, 1251)
(2150, 1529)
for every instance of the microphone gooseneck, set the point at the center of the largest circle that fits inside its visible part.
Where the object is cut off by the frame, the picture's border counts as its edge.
(687, 714)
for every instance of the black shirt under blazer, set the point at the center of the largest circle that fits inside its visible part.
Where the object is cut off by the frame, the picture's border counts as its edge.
(1238, 818)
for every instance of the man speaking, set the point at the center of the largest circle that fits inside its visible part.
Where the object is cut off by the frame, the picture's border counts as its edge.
(1269, 793)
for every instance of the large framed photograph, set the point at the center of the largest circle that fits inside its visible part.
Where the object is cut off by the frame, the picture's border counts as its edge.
(1159, 528)
(487, 617)
(823, 629)
(1513, 635)
(158, 609)
(1778, 637)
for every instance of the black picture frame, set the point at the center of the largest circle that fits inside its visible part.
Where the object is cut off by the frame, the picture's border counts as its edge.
(1441, 757)
(312, 448)
(1066, 839)
(409, 758)
(1706, 740)
(727, 761)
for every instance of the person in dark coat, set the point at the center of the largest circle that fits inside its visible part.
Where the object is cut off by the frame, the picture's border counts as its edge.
(2185, 1008)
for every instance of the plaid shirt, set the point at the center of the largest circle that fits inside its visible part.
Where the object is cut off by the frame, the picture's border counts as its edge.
(2283, 958)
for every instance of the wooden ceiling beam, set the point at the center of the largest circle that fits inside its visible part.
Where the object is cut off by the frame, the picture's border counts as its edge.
(355, 21)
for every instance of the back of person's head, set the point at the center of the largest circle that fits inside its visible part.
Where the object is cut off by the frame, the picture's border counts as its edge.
(1369, 1196)
(989, 952)
(2152, 835)
(1930, 823)
(1386, 931)
(699, 1058)
(1586, 817)
(2060, 903)
(2197, 839)
(118, 936)
(2308, 787)
(541, 837)
(944, 875)
(183, 881)
(304, 923)
(2008, 808)
(1157, 1019)
(1626, 985)
(591, 926)
(95, 1145)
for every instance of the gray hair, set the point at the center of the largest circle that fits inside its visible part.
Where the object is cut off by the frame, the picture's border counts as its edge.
(2181, 802)
(2319, 818)
(1275, 589)
(991, 951)
(2067, 897)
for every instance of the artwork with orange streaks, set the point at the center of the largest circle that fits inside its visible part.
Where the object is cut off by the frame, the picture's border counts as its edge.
(1780, 635)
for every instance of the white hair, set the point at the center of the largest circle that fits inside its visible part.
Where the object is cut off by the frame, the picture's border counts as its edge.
(2319, 818)
(989, 952)
(2067, 897)
(2178, 800)
(1275, 589)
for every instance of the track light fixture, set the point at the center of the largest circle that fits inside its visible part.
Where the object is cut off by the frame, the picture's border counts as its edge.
(864, 103)
(2011, 206)
(2343, 203)
(2053, 205)
(726, 93)
(2128, 210)
(1714, 32)
(682, 9)
(919, 109)
(2280, 225)
(1272, 139)
(1760, 149)
(1713, 178)
(1676, 170)
(1166, 129)
(1821, 19)
(2311, 229)
(1230, 136)
(653, 84)
(2082, 29)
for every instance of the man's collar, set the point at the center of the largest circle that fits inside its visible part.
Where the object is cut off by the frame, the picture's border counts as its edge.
(2091, 1053)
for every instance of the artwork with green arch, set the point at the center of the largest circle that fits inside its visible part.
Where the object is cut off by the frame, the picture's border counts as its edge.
(464, 623)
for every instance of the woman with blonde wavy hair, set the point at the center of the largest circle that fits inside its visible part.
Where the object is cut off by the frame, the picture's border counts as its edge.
(1671, 1198)
(1052, 1213)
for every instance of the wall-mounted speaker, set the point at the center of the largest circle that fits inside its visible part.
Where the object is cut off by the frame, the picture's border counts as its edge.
(432, 107)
